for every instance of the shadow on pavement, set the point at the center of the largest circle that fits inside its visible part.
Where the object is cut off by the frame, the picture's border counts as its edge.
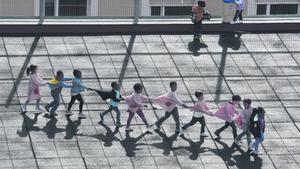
(130, 143)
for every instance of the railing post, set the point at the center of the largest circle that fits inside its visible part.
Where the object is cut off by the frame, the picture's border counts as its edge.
(136, 11)
(42, 11)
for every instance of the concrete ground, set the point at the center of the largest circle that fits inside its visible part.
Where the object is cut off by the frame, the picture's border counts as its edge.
(262, 67)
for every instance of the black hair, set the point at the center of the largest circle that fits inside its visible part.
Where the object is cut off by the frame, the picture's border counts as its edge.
(76, 72)
(260, 111)
(172, 83)
(137, 86)
(248, 101)
(236, 98)
(114, 84)
(59, 72)
(31, 69)
(198, 94)
(201, 3)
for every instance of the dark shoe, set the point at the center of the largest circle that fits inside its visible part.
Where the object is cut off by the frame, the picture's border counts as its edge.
(53, 114)
(128, 130)
(157, 126)
(101, 118)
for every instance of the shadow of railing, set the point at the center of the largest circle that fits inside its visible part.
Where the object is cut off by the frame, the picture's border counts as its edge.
(22, 71)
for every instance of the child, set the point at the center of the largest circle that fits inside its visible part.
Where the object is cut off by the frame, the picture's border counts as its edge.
(135, 105)
(245, 116)
(56, 85)
(257, 128)
(198, 115)
(198, 16)
(35, 81)
(174, 112)
(77, 88)
(239, 11)
(116, 97)
(228, 110)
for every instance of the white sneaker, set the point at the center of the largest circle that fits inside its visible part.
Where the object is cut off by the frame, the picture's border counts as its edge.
(23, 109)
(233, 22)
(203, 135)
(81, 115)
(258, 152)
(39, 109)
(68, 113)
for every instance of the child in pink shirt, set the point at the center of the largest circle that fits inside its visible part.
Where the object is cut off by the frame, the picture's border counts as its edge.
(135, 105)
(33, 93)
(227, 112)
(199, 109)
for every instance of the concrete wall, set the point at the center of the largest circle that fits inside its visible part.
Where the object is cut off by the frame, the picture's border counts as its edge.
(116, 7)
(16, 7)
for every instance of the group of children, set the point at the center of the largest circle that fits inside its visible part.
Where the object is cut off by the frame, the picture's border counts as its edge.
(250, 120)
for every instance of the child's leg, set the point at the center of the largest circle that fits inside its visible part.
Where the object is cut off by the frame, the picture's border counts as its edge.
(162, 119)
(203, 124)
(38, 101)
(106, 111)
(236, 15)
(234, 131)
(248, 137)
(241, 15)
(79, 98)
(117, 110)
(26, 103)
(55, 103)
(130, 116)
(240, 136)
(73, 98)
(176, 118)
(191, 123)
(218, 131)
(142, 116)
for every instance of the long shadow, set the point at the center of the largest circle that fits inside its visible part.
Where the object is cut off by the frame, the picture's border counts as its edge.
(22, 71)
(195, 147)
(126, 59)
(241, 161)
(51, 129)
(71, 127)
(108, 138)
(28, 125)
(195, 45)
(227, 40)
(130, 143)
(167, 142)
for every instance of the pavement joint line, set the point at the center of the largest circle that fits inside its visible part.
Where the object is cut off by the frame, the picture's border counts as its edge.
(66, 107)
(53, 73)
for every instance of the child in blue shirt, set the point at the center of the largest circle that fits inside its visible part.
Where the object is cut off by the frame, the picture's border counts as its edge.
(77, 88)
(114, 102)
(56, 85)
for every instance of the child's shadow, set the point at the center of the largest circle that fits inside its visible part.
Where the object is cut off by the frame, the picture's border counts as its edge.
(241, 161)
(195, 45)
(28, 125)
(130, 144)
(167, 143)
(195, 147)
(51, 129)
(72, 127)
(108, 138)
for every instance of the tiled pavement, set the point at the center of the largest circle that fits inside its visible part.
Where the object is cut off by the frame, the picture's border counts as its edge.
(262, 67)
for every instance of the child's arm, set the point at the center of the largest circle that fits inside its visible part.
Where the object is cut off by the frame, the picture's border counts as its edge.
(65, 85)
(177, 101)
(67, 79)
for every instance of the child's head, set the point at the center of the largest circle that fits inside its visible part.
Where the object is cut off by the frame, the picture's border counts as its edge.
(247, 103)
(199, 95)
(236, 99)
(31, 69)
(115, 85)
(173, 86)
(201, 3)
(77, 73)
(261, 112)
(59, 75)
(138, 88)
